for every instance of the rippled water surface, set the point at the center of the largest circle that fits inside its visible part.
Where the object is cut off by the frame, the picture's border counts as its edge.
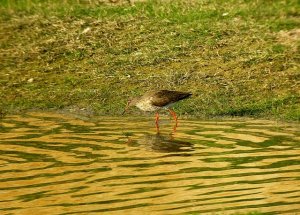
(57, 164)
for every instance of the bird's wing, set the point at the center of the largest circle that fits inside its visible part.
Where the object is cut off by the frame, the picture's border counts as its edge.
(164, 97)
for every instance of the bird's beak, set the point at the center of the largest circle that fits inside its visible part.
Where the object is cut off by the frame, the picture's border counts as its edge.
(126, 108)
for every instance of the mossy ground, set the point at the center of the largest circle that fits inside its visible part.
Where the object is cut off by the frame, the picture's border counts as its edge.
(238, 58)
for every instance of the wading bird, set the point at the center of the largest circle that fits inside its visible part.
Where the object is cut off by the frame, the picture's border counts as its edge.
(157, 100)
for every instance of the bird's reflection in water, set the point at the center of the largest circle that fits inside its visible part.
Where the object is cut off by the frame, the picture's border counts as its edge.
(161, 143)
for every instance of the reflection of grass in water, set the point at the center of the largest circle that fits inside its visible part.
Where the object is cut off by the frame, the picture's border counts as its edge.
(248, 213)
(127, 134)
(253, 213)
(208, 172)
(228, 54)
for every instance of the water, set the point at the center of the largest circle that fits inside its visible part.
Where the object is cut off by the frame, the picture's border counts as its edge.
(57, 164)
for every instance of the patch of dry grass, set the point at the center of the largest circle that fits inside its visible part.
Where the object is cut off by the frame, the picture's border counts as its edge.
(237, 57)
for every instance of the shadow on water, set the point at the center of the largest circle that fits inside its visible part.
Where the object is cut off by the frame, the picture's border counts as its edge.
(161, 143)
(57, 164)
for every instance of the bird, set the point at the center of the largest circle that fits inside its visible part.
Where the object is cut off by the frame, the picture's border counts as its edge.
(157, 100)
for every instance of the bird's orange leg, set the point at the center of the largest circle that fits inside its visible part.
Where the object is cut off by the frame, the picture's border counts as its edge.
(175, 118)
(156, 121)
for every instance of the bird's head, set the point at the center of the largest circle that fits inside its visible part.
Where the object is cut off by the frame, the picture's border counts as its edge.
(130, 103)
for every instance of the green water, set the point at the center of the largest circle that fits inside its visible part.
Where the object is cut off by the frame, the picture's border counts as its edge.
(57, 164)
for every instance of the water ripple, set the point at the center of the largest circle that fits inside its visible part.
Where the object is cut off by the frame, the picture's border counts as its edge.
(57, 164)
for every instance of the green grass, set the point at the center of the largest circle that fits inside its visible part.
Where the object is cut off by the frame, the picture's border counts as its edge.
(238, 58)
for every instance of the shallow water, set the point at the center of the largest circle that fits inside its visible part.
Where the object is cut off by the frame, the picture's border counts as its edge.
(57, 164)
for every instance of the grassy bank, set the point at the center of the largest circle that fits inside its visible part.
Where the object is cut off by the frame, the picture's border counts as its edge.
(238, 58)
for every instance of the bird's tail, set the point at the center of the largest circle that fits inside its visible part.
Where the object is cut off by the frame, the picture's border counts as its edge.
(184, 95)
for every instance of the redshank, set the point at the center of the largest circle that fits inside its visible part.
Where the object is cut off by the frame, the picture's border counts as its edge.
(157, 100)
